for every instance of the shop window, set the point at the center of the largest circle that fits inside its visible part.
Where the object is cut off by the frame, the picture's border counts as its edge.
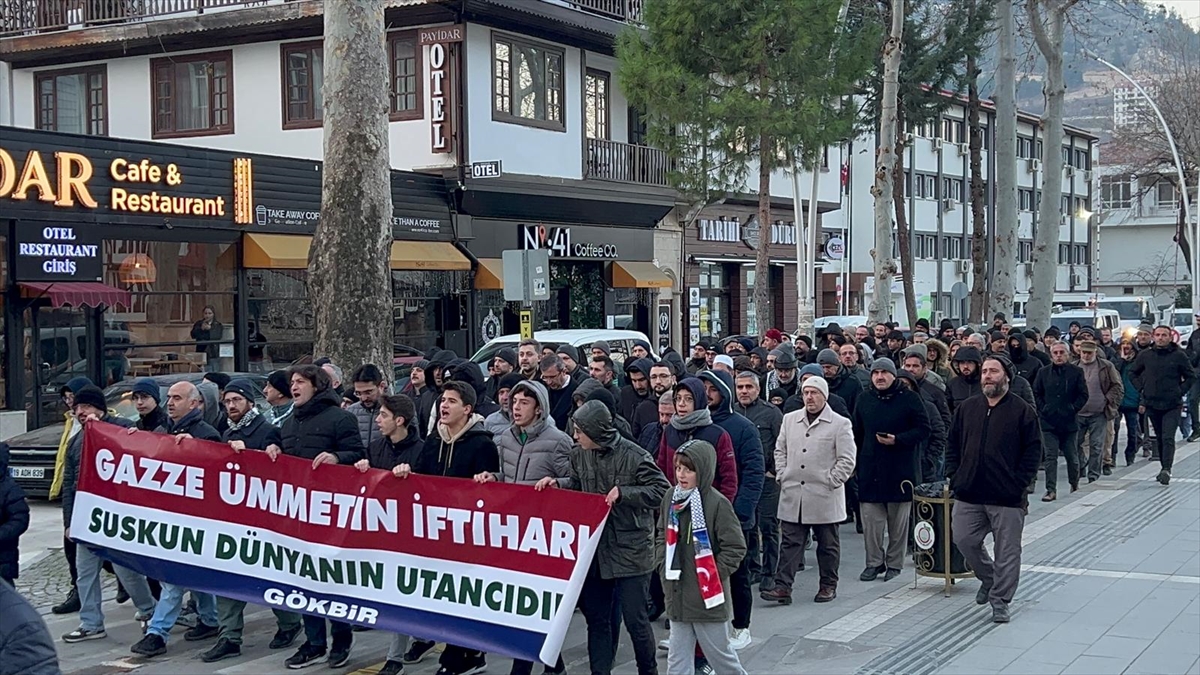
(625, 307)
(595, 104)
(715, 299)
(751, 307)
(302, 83)
(73, 101)
(405, 64)
(420, 315)
(193, 95)
(167, 329)
(280, 312)
(527, 83)
(4, 375)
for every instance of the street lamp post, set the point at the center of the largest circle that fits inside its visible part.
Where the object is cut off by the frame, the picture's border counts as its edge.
(1187, 212)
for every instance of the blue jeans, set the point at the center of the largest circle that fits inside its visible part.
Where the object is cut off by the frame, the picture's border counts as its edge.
(170, 603)
(91, 615)
(1132, 433)
(314, 632)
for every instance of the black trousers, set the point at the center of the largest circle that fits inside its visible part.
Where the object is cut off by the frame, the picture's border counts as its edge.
(314, 632)
(743, 596)
(69, 554)
(1166, 424)
(597, 600)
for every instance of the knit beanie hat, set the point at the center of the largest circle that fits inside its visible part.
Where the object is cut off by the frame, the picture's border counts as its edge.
(242, 387)
(817, 383)
(885, 364)
(569, 351)
(279, 382)
(148, 387)
(507, 355)
(91, 395)
(827, 357)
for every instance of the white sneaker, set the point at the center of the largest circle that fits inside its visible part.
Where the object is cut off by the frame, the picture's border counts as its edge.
(664, 645)
(739, 638)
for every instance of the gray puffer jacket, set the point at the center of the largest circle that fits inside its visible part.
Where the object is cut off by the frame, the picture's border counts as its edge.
(537, 451)
(366, 422)
(627, 544)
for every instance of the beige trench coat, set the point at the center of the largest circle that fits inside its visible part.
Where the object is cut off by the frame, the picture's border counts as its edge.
(812, 466)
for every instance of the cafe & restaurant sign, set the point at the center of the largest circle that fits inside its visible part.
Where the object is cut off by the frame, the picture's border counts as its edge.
(125, 184)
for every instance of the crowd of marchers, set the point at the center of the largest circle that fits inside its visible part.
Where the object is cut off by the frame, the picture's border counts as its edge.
(721, 469)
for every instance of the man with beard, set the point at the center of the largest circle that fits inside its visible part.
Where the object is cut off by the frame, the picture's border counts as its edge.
(561, 388)
(931, 460)
(767, 419)
(640, 350)
(783, 376)
(1061, 392)
(894, 345)
(890, 424)
(840, 381)
(1018, 353)
(529, 353)
(998, 343)
(851, 359)
(992, 455)
(772, 339)
(503, 363)
(570, 357)
(1105, 392)
(966, 383)
(699, 360)
(998, 322)
(1163, 374)
(636, 403)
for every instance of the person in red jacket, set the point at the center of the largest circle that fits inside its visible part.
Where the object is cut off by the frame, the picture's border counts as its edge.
(692, 420)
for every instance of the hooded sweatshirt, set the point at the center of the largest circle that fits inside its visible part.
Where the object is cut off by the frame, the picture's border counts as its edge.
(963, 387)
(1018, 352)
(681, 596)
(631, 399)
(465, 454)
(14, 518)
(747, 447)
(462, 370)
(701, 428)
(534, 452)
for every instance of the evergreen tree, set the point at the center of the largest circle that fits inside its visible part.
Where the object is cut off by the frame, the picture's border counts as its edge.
(739, 88)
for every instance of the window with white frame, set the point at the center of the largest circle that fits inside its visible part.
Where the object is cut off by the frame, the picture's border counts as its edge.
(1164, 193)
(1116, 192)
(1025, 200)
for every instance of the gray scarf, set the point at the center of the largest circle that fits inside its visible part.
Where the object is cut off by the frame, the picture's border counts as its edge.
(693, 420)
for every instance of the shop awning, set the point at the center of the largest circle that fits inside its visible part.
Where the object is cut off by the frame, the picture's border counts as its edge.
(489, 276)
(639, 275)
(76, 293)
(275, 251)
(428, 255)
(290, 252)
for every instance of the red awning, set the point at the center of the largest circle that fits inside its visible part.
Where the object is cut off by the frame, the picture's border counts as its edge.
(76, 293)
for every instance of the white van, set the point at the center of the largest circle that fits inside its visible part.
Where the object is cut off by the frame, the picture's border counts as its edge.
(1134, 309)
(1096, 318)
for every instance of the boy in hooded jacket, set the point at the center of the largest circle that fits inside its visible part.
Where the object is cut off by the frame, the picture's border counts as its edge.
(693, 420)
(702, 538)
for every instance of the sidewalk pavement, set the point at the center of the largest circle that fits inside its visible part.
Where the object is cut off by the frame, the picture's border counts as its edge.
(1111, 584)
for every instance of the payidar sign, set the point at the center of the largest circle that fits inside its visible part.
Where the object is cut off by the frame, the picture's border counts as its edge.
(137, 185)
(495, 567)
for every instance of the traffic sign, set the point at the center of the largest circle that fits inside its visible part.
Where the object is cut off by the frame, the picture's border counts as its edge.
(526, 324)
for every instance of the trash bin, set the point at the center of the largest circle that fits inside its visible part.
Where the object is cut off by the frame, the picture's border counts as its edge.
(935, 553)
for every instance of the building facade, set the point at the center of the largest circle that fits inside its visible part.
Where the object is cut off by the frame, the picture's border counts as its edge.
(937, 189)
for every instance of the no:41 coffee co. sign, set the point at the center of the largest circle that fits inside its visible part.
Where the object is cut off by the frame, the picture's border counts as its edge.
(441, 101)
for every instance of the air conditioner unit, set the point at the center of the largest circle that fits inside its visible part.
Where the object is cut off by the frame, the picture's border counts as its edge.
(963, 149)
(947, 204)
(908, 137)
(964, 266)
(1030, 164)
(1029, 270)
(937, 143)
(1087, 176)
(1070, 171)
(1076, 279)
(1037, 165)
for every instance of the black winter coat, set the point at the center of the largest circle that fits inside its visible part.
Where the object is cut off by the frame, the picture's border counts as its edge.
(768, 420)
(1163, 376)
(1061, 392)
(320, 425)
(993, 452)
(747, 447)
(847, 386)
(25, 644)
(937, 397)
(156, 420)
(884, 469)
(194, 425)
(257, 435)
(386, 455)
(14, 518)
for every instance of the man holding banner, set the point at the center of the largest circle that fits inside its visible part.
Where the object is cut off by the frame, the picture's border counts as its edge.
(607, 464)
(248, 429)
(319, 430)
(460, 447)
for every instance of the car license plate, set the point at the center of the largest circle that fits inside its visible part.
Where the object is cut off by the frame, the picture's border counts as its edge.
(27, 472)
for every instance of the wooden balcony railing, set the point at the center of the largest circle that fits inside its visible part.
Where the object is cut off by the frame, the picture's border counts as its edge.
(624, 10)
(19, 17)
(625, 163)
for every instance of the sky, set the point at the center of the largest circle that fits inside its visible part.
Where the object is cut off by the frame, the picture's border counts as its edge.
(1188, 9)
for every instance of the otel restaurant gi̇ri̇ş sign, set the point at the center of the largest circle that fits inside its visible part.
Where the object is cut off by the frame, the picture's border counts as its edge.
(57, 252)
(128, 185)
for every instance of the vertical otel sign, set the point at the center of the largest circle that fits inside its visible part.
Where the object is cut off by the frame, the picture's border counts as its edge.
(440, 40)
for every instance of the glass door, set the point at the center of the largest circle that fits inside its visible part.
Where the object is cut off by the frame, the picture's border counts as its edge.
(56, 350)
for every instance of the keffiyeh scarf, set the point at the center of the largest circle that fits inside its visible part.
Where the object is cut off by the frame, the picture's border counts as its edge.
(707, 576)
